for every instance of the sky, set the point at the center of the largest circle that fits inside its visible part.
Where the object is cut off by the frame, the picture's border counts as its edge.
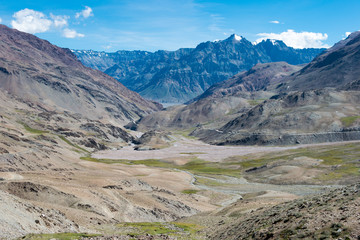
(111, 25)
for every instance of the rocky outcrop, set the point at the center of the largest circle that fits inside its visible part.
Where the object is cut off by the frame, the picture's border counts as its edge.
(332, 215)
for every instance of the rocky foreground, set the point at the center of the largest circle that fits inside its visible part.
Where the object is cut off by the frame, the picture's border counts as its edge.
(332, 215)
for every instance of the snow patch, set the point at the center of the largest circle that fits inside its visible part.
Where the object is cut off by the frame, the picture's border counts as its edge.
(237, 37)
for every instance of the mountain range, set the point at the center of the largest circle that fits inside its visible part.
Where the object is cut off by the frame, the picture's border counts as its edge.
(277, 103)
(177, 76)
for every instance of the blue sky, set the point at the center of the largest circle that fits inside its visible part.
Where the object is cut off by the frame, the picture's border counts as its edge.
(112, 25)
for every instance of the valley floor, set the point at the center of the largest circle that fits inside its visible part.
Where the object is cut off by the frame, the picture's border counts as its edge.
(181, 191)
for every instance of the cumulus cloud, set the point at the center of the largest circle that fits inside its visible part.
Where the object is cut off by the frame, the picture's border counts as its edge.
(297, 39)
(31, 21)
(59, 21)
(70, 33)
(0, 20)
(87, 12)
(275, 22)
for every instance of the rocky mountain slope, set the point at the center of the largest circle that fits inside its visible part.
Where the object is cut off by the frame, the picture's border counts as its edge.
(223, 101)
(300, 117)
(332, 215)
(307, 116)
(40, 72)
(178, 76)
(337, 67)
(48, 182)
(54, 113)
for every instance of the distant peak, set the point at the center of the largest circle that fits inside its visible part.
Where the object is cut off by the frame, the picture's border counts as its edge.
(274, 42)
(235, 37)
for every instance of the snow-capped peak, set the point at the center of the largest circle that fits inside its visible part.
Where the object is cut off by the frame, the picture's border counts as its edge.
(273, 41)
(237, 37)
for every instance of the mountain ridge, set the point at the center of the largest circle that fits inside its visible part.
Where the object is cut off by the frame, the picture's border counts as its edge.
(178, 76)
(335, 68)
(38, 71)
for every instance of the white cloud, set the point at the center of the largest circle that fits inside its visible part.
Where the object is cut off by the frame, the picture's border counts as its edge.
(0, 20)
(59, 21)
(31, 21)
(297, 39)
(275, 22)
(347, 34)
(70, 33)
(87, 12)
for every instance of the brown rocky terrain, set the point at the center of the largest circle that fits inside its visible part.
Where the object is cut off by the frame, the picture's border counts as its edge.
(224, 101)
(40, 72)
(45, 186)
(332, 215)
(300, 117)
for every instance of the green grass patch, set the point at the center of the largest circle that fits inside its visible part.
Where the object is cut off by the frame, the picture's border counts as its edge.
(343, 171)
(348, 121)
(201, 167)
(152, 228)
(154, 163)
(209, 182)
(195, 166)
(331, 155)
(32, 130)
(189, 191)
(254, 102)
(72, 144)
(105, 160)
(177, 230)
(338, 161)
(60, 236)
(185, 133)
(147, 162)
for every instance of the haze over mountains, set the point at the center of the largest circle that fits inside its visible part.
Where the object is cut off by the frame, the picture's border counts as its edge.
(178, 76)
